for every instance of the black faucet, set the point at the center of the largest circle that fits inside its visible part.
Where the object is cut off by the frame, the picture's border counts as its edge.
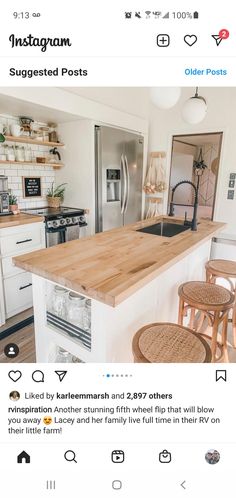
(193, 223)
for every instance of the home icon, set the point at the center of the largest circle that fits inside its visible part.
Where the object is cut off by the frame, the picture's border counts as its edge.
(23, 457)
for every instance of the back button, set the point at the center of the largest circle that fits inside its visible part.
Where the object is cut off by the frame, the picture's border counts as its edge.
(183, 484)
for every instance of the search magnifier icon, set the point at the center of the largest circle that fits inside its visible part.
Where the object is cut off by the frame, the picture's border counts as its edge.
(70, 456)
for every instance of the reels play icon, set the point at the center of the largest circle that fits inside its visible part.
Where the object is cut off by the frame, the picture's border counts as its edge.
(118, 456)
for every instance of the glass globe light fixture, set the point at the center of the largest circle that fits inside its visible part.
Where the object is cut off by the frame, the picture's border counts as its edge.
(194, 109)
(165, 97)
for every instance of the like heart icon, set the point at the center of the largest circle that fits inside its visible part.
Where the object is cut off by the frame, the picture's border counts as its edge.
(190, 39)
(15, 375)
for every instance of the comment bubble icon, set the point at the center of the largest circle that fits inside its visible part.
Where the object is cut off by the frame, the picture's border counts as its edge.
(38, 376)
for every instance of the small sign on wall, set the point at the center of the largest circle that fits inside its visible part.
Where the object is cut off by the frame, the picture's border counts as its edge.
(31, 186)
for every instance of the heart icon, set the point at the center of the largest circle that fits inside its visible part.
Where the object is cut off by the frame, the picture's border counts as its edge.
(15, 375)
(190, 39)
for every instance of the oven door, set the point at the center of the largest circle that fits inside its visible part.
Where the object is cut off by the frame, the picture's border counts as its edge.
(55, 236)
(72, 232)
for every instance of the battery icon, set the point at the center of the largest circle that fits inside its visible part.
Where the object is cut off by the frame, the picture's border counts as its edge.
(195, 15)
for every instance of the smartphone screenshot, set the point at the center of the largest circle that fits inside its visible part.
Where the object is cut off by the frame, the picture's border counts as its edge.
(117, 249)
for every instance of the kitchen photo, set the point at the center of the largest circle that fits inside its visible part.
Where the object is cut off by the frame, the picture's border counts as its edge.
(117, 225)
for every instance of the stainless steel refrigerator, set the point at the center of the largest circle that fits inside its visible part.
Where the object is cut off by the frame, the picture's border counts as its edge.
(119, 177)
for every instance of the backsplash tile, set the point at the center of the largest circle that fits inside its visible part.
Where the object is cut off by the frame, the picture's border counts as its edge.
(15, 173)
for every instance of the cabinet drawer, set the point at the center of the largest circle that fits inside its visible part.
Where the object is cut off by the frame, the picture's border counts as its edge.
(20, 242)
(18, 293)
(8, 269)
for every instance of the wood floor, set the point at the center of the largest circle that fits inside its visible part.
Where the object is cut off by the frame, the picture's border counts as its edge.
(24, 339)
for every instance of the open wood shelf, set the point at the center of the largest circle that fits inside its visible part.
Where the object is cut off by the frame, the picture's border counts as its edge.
(12, 163)
(28, 140)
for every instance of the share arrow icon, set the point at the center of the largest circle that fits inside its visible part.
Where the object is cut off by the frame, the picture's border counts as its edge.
(218, 39)
(222, 35)
(61, 374)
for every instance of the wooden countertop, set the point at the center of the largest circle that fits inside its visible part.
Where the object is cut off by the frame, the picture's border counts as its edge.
(111, 266)
(14, 220)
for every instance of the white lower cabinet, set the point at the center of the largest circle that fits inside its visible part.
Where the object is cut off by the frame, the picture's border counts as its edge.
(18, 293)
(16, 285)
(20, 241)
(8, 269)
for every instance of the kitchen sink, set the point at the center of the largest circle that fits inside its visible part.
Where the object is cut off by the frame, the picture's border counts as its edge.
(164, 229)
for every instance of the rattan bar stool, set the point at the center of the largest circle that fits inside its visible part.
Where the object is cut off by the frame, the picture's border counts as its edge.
(169, 343)
(222, 268)
(214, 302)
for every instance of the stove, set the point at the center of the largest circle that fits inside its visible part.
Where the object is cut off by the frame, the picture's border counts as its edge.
(61, 224)
(62, 216)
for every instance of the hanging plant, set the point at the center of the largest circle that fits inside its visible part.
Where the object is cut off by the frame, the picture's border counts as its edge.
(199, 165)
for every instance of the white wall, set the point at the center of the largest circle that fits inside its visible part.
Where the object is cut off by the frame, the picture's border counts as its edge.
(70, 107)
(79, 170)
(221, 116)
(130, 100)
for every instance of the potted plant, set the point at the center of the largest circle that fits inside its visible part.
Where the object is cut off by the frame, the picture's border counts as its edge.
(13, 206)
(55, 195)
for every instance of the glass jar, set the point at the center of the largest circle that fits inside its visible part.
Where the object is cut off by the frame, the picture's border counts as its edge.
(19, 153)
(63, 356)
(3, 156)
(87, 315)
(75, 309)
(10, 154)
(53, 137)
(28, 154)
(75, 359)
(59, 300)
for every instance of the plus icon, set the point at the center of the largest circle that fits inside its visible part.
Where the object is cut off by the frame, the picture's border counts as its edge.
(163, 40)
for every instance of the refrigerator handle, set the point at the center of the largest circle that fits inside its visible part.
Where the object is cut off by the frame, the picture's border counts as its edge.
(127, 184)
(98, 181)
(123, 183)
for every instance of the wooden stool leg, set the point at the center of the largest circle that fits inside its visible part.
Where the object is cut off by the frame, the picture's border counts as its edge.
(215, 328)
(200, 321)
(224, 338)
(192, 318)
(234, 325)
(181, 312)
(208, 276)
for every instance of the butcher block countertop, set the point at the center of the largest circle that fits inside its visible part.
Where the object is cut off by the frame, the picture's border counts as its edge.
(15, 220)
(111, 266)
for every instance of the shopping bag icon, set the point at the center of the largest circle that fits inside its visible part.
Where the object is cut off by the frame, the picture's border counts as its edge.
(165, 456)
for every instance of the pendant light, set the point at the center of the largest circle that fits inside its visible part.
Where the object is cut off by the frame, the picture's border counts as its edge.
(194, 109)
(165, 97)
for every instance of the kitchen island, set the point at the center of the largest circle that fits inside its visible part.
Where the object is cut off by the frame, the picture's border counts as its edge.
(129, 277)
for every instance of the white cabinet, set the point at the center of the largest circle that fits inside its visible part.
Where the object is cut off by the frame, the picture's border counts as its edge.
(20, 242)
(2, 305)
(18, 293)
(16, 286)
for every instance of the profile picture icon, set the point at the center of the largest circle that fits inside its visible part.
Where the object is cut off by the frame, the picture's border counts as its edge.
(212, 457)
(14, 395)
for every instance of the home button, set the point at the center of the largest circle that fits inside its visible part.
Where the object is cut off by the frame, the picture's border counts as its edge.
(23, 457)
